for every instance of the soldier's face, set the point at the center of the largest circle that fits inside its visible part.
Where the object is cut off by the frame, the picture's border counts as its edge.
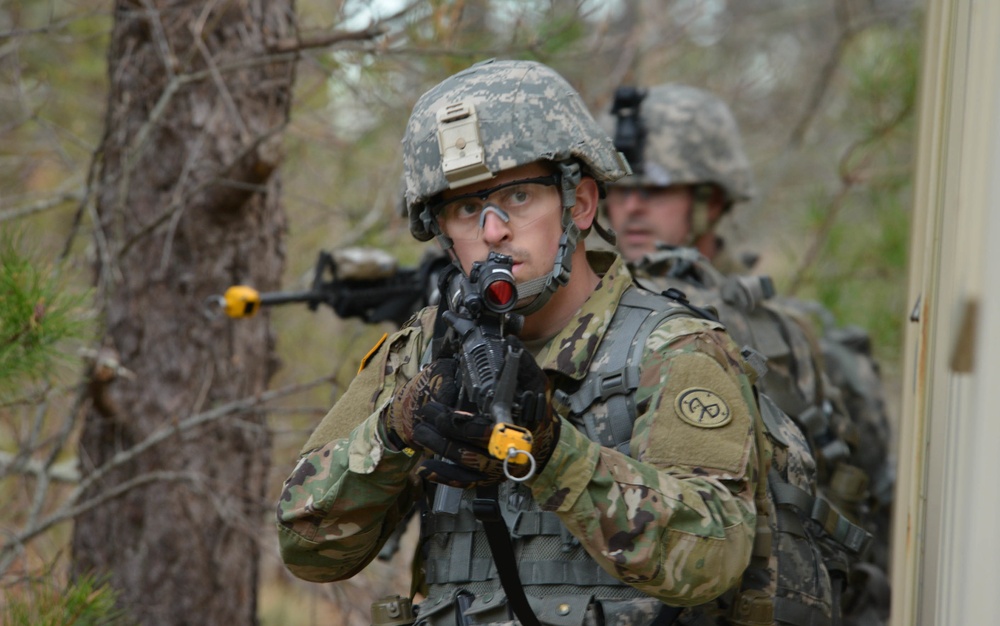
(644, 217)
(531, 243)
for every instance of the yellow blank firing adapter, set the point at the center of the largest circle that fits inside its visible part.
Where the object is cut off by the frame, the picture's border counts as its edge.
(241, 301)
(512, 444)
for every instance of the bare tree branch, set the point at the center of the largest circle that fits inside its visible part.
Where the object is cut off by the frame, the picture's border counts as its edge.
(48, 29)
(220, 84)
(849, 178)
(177, 203)
(51, 202)
(160, 36)
(848, 29)
(65, 472)
(180, 201)
(72, 505)
(327, 40)
(200, 419)
(68, 511)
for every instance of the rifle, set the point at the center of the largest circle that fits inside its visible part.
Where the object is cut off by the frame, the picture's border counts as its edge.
(478, 311)
(477, 308)
(354, 282)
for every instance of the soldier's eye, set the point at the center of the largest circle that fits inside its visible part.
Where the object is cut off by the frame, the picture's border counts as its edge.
(518, 196)
(463, 210)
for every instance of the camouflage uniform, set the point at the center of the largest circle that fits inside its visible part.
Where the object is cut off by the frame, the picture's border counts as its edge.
(794, 381)
(675, 519)
(690, 138)
(600, 535)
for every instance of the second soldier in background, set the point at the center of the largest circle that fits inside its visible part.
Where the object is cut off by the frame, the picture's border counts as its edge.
(690, 169)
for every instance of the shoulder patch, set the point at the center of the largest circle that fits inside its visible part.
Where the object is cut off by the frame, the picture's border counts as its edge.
(703, 408)
(703, 420)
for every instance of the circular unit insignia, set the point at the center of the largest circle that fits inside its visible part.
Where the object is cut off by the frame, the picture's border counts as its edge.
(702, 408)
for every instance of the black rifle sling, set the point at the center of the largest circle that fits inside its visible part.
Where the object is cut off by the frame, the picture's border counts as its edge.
(668, 615)
(487, 510)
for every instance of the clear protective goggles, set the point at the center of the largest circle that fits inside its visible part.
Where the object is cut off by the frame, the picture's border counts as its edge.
(518, 203)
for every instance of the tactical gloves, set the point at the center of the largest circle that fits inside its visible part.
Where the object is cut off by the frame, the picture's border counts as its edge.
(437, 383)
(462, 437)
(427, 413)
(536, 414)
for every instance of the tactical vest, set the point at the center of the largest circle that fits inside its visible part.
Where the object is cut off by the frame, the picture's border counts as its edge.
(810, 378)
(563, 583)
(799, 361)
(786, 581)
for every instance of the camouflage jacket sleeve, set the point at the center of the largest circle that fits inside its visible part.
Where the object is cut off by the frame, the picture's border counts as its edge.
(349, 492)
(676, 518)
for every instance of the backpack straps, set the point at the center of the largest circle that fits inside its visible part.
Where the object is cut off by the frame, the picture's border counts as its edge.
(847, 534)
(639, 313)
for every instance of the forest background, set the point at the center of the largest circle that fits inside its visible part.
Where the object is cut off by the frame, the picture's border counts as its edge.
(145, 167)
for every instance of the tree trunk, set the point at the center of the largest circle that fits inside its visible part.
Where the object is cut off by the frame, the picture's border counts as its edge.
(188, 205)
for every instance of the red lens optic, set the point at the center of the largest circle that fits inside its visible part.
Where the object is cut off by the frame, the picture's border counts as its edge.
(500, 292)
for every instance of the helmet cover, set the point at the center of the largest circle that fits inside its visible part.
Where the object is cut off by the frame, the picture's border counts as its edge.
(688, 136)
(494, 116)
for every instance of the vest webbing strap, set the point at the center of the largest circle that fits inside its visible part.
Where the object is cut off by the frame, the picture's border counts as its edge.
(524, 524)
(548, 572)
(667, 615)
(638, 315)
(487, 510)
(790, 522)
(849, 535)
(616, 386)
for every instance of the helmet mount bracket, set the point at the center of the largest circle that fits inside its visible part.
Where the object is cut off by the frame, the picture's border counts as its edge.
(463, 159)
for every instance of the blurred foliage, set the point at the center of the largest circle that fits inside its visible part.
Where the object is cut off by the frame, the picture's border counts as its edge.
(44, 324)
(861, 236)
(41, 602)
(53, 78)
(39, 316)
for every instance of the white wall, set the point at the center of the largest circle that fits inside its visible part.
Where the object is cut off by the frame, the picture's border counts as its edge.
(946, 559)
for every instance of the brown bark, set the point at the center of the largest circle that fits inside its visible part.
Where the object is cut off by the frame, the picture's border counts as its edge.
(188, 204)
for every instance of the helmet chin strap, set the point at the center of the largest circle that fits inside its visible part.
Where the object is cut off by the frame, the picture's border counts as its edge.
(545, 286)
(701, 223)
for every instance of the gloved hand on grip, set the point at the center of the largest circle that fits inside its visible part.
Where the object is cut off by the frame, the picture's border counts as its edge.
(460, 437)
(436, 383)
(463, 437)
(535, 402)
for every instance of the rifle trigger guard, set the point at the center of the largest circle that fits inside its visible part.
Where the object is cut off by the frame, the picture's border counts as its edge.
(513, 452)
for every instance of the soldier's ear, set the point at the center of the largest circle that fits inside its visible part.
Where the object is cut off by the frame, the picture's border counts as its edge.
(585, 209)
(715, 199)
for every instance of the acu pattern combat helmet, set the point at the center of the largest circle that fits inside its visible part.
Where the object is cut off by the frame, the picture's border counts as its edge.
(495, 116)
(675, 134)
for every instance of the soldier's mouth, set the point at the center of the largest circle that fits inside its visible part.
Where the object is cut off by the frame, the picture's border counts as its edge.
(635, 235)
